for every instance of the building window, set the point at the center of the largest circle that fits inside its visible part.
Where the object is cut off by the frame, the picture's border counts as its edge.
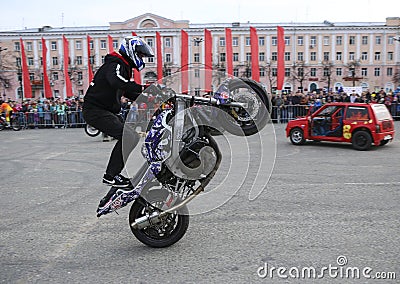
(80, 75)
(150, 59)
(54, 61)
(327, 72)
(339, 40)
(364, 40)
(339, 55)
(390, 39)
(168, 57)
(222, 57)
(377, 56)
(247, 41)
(30, 61)
(300, 40)
(167, 42)
(196, 73)
(261, 56)
(287, 72)
(18, 61)
(91, 44)
(54, 75)
(300, 72)
(300, 56)
(287, 40)
(390, 56)
(352, 40)
(377, 72)
(313, 41)
(274, 41)
(167, 72)
(236, 72)
(150, 41)
(78, 44)
(17, 46)
(389, 71)
(326, 40)
(91, 59)
(274, 56)
(274, 72)
(79, 60)
(287, 56)
(235, 56)
(235, 41)
(53, 45)
(313, 72)
(222, 41)
(326, 55)
(115, 44)
(196, 41)
(364, 72)
(248, 56)
(261, 41)
(29, 46)
(262, 72)
(313, 56)
(378, 40)
(103, 44)
(102, 59)
(339, 72)
(364, 55)
(351, 55)
(197, 57)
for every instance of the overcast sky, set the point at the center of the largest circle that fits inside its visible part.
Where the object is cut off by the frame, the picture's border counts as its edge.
(17, 14)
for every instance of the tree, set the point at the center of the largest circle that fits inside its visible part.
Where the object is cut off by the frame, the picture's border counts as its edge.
(327, 72)
(352, 67)
(270, 77)
(396, 77)
(300, 73)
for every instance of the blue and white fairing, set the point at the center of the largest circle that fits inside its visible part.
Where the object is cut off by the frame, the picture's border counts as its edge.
(157, 146)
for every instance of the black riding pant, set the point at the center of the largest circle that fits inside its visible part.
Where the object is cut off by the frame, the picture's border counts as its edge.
(112, 125)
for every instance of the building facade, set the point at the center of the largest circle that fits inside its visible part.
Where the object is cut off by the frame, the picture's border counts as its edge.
(318, 56)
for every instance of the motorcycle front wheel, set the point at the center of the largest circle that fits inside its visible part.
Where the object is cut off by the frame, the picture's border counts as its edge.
(91, 131)
(167, 231)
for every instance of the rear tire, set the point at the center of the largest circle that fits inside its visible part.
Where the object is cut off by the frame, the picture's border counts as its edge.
(91, 131)
(361, 140)
(297, 136)
(15, 125)
(165, 233)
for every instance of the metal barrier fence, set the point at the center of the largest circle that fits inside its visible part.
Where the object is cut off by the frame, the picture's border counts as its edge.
(74, 119)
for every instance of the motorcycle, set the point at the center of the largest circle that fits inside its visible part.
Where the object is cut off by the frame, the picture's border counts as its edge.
(91, 131)
(182, 158)
(14, 123)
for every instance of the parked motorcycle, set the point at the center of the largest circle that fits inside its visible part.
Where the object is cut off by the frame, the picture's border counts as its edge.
(182, 158)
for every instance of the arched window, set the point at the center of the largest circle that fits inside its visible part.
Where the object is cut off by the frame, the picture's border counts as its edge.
(148, 23)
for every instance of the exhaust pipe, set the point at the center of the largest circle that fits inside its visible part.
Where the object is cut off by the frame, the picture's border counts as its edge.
(155, 217)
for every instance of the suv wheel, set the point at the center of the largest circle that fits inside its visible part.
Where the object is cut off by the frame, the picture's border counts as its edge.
(297, 136)
(361, 140)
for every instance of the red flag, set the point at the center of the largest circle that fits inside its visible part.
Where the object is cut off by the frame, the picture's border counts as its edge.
(208, 60)
(136, 73)
(159, 57)
(25, 73)
(281, 59)
(229, 54)
(110, 44)
(90, 71)
(46, 82)
(255, 66)
(68, 85)
(184, 61)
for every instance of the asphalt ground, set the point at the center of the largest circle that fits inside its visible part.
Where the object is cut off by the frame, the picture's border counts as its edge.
(326, 205)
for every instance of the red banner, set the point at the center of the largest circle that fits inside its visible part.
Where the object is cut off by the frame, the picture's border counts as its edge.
(229, 53)
(208, 60)
(184, 61)
(25, 73)
(46, 83)
(159, 57)
(90, 71)
(255, 66)
(68, 85)
(110, 44)
(281, 59)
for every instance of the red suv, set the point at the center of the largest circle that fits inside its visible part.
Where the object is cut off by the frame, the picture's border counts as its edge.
(358, 123)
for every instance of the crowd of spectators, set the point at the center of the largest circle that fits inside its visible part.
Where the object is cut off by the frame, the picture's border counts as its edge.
(62, 113)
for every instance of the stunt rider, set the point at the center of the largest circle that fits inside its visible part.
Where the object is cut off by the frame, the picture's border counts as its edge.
(102, 101)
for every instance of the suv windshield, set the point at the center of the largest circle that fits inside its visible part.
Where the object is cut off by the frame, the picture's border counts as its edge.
(381, 112)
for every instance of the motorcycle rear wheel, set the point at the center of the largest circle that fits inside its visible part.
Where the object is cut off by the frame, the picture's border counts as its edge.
(91, 131)
(164, 233)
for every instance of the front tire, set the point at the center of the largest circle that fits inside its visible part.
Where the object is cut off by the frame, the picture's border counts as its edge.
(165, 233)
(361, 140)
(15, 125)
(297, 136)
